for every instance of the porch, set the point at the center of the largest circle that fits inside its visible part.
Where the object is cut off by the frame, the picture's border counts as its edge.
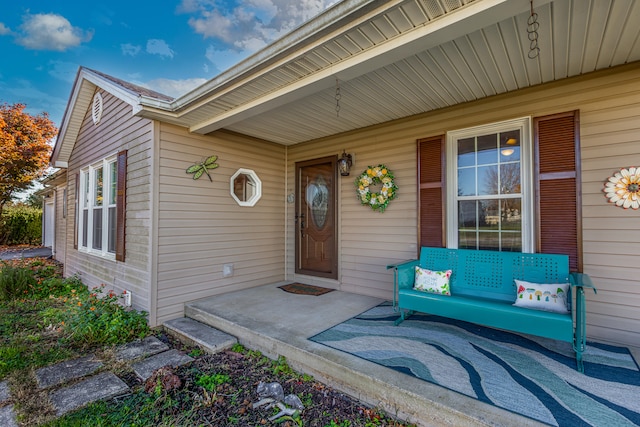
(278, 323)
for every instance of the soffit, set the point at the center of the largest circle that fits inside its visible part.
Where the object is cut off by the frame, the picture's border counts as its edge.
(413, 57)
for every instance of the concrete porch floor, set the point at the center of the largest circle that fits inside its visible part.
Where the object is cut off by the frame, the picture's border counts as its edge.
(278, 323)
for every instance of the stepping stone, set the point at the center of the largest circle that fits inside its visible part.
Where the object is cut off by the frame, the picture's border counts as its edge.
(196, 333)
(145, 368)
(4, 391)
(8, 417)
(103, 386)
(141, 348)
(66, 371)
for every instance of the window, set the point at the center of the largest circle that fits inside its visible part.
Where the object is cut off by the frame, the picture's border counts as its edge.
(490, 192)
(97, 221)
(245, 187)
(508, 186)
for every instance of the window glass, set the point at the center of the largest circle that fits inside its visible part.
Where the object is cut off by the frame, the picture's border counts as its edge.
(245, 187)
(97, 222)
(113, 172)
(98, 186)
(489, 187)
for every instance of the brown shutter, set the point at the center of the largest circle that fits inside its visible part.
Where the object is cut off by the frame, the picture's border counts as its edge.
(75, 215)
(432, 191)
(558, 193)
(121, 200)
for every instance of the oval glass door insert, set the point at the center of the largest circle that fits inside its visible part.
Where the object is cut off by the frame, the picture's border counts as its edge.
(318, 201)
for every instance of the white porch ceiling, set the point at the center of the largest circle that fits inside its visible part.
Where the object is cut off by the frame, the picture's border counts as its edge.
(401, 58)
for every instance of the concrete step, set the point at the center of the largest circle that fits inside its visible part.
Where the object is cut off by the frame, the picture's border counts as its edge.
(193, 332)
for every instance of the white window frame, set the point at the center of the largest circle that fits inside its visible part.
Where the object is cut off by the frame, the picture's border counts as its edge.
(526, 171)
(87, 203)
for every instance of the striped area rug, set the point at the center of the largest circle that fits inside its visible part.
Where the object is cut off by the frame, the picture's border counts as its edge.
(534, 377)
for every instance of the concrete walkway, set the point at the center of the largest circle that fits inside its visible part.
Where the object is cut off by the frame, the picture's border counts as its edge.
(18, 253)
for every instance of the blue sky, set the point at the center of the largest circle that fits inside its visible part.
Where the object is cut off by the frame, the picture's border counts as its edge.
(170, 46)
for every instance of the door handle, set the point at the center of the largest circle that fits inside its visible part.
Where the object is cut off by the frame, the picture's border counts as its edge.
(301, 218)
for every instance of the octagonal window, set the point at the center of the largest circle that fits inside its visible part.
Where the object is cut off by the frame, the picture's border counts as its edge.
(246, 187)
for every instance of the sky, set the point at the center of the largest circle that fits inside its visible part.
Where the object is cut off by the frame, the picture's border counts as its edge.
(170, 46)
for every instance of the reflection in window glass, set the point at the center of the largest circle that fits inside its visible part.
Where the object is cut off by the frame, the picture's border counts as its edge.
(490, 192)
(246, 187)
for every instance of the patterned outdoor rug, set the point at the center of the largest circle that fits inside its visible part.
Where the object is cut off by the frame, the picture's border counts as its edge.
(302, 289)
(534, 377)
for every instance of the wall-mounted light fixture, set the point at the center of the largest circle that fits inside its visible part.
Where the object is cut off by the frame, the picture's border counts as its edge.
(344, 163)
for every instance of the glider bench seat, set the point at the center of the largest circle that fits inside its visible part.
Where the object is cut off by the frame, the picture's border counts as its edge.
(483, 290)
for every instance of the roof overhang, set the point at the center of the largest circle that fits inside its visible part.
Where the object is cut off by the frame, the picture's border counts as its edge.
(82, 93)
(393, 59)
(387, 60)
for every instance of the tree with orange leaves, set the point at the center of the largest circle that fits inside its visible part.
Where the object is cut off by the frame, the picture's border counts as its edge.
(24, 149)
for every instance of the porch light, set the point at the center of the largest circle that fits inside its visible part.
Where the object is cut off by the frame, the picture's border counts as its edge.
(507, 152)
(344, 163)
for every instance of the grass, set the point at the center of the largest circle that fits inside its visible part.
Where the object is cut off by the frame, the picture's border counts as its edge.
(45, 319)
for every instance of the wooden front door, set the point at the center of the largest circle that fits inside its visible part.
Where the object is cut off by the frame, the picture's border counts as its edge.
(316, 211)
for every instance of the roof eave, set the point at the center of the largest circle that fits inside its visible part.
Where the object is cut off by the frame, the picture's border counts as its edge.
(86, 81)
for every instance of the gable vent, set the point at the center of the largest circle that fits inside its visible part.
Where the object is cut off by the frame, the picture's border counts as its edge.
(96, 108)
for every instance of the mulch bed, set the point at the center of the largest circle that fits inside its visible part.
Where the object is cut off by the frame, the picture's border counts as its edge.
(231, 404)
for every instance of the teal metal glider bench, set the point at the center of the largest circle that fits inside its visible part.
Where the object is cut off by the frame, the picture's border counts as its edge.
(483, 290)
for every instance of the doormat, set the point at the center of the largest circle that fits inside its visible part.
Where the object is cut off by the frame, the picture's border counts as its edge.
(302, 289)
(531, 376)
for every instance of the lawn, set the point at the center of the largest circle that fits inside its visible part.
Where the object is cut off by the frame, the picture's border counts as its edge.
(45, 319)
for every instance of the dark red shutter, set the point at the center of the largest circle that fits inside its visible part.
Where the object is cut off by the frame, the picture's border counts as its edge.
(432, 191)
(558, 193)
(76, 214)
(121, 201)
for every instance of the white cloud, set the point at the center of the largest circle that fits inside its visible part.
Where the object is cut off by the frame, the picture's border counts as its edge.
(4, 30)
(159, 47)
(252, 24)
(173, 88)
(130, 49)
(50, 32)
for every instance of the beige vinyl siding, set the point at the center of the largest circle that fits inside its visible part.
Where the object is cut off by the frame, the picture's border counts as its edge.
(60, 223)
(201, 227)
(117, 131)
(609, 105)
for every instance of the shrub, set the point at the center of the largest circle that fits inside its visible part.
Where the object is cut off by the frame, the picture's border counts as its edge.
(15, 282)
(21, 225)
(100, 320)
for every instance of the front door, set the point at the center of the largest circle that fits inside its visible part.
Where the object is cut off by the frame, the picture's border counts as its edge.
(316, 210)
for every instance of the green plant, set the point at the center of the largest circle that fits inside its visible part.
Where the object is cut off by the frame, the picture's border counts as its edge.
(15, 282)
(211, 382)
(196, 352)
(21, 225)
(333, 423)
(281, 367)
(100, 320)
(238, 348)
(295, 418)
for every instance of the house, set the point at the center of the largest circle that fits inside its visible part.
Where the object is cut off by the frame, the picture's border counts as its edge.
(498, 134)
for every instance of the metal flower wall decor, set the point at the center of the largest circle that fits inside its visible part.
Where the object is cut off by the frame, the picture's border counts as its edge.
(623, 188)
(203, 167)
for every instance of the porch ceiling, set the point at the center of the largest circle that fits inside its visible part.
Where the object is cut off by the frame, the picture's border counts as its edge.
(393, 59)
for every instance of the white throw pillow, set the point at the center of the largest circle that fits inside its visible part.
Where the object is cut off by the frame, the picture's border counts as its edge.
(436, 282)
(546, 297)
